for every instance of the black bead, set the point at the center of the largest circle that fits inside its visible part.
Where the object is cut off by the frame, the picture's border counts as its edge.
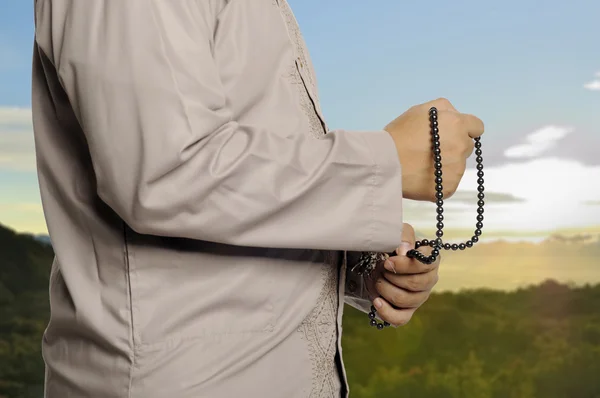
(479, 159)
(480, 180)
(475, 239)
(454, 246)
(462, 246)
(480, 210)
(480, 202)
(373, 322)
(479, 166)
(437, 151)
(439, 202)
(438, 180)
(425, 242)
(469, 243)
(439, 210)
(380, 326)
(436, 130)
(439, 187)
(417, 244)
(438, 173)
(479, 225)
(439, 217)
(437, 165)
(479, 217)
(480, 173)
(478, 152)
(447, 246)
(480, 188)
(478, 232)
(386, 324)
(439, 234)
(435, 252)
(440, 225)
(431, 243)
(480, 195)
(372, 315)
(439, 195)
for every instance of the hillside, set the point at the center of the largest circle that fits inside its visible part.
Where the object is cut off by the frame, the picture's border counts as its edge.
(539, 341)
(24, 270)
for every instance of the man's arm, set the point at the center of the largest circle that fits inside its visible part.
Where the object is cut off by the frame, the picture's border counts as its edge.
(171, 157)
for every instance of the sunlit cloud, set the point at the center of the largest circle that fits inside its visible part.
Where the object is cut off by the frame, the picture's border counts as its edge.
(538, 142)
(553, 190)
(17, 150)
(593, 85)
(543, 194)
(470, 197)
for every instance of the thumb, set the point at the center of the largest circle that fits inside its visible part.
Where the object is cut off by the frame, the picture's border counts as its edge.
(408, 239)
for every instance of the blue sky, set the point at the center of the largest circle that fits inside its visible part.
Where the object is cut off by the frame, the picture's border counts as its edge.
(522, 66)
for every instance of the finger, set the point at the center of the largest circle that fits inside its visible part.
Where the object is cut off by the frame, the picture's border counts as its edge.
(442, 104)
(469, 147)
(398, 297)
(414, 282)
(404, 265)
(408, 239)
(473, 125)
(394, 316)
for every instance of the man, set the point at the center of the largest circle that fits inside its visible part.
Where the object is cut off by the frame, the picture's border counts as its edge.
(201, 213)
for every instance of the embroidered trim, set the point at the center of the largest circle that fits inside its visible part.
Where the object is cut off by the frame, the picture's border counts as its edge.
(310, 105)
(315, 126)
(319, 329)
(297, 39)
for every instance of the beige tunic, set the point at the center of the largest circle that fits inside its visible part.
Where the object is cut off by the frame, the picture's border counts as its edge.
(199, 213)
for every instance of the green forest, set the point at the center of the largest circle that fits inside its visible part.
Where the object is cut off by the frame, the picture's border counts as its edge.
(541, 341)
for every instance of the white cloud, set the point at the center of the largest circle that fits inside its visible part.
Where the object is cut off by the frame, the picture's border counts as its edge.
(538, 142)
(549, 192)
(15, 116)
(17, 151)
(555, 191)
(593, 85)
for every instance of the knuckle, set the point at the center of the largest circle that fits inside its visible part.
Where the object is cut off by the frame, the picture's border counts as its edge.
(398, 299)
(442, 102)
(426, 298)
(448, 191)
(414, 283)
(402, 319)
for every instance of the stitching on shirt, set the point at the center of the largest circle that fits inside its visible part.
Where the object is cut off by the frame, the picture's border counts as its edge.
(308, 95)
(319, 330)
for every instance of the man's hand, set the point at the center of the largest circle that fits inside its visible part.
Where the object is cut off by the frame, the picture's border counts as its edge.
(403, 283)
(411, 132)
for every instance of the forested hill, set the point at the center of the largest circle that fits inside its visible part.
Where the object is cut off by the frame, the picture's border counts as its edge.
(542, 341)
(24, 269)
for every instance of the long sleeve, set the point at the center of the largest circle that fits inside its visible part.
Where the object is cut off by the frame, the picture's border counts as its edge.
(172, 156)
